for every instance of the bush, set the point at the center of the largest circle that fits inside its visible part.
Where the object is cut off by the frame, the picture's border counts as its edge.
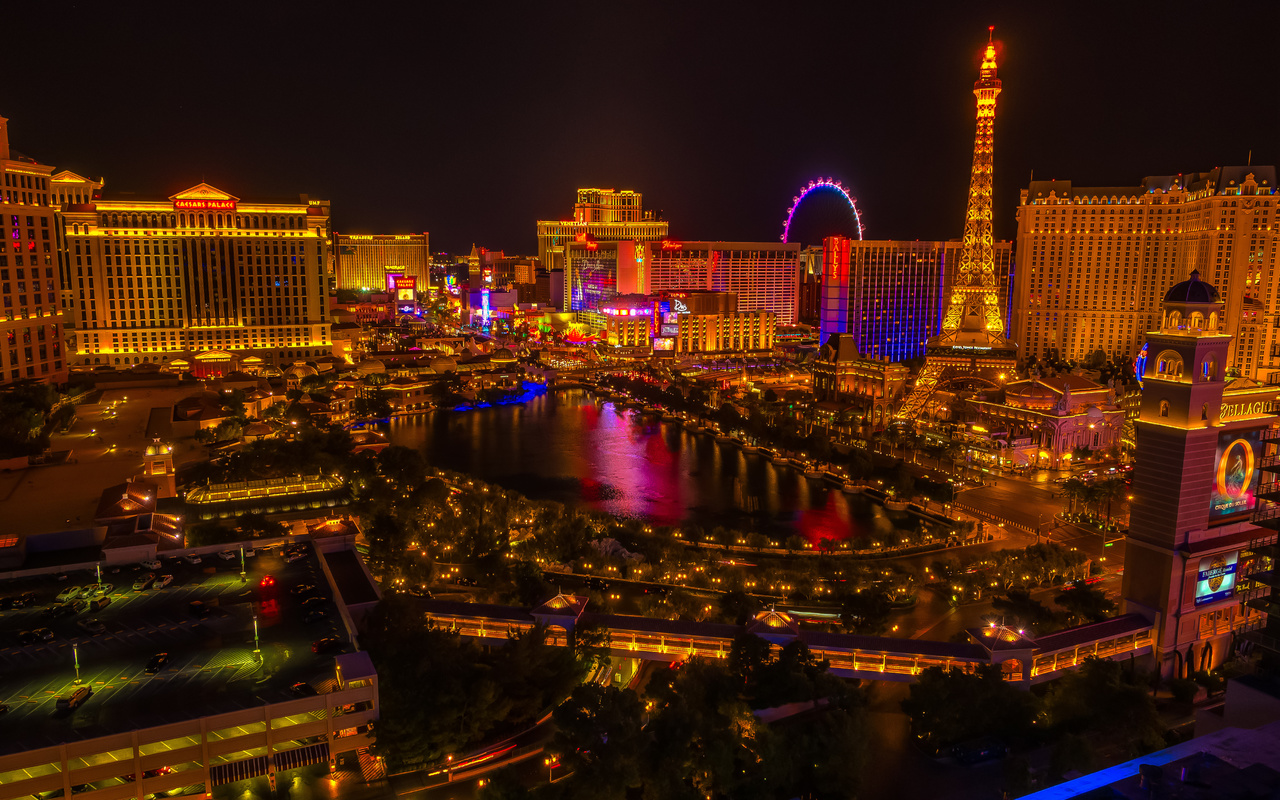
(1183, 689)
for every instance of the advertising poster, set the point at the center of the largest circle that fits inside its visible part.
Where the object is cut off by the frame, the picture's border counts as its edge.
(1216, 578)
(1235, 477)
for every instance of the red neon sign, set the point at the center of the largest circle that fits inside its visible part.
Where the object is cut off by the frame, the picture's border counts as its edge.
(204, 205)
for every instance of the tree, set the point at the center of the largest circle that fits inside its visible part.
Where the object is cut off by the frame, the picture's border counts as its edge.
(591, 644)
(947, 707)
(865, 612)
(1100, 698)
(256, 525)
(600, 738)
(1021, 610)
(1083, 603)
(736, 606)
(207, 533)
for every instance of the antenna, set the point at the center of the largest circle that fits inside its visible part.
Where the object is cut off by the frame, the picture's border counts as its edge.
(991, 29)
(1249, 163)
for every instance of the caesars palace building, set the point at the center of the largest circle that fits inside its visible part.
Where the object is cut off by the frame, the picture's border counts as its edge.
(146, 281)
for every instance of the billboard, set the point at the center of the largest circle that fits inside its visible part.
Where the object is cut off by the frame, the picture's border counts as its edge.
(664, 344)
(1216, 577)
(1235, 478)
(668, 330)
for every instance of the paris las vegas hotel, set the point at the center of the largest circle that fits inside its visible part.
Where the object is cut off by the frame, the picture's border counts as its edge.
(1094, 262)
(154, 280)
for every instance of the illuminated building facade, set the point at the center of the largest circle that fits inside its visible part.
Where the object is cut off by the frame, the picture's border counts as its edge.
(725, 332)
(1196, 483)
(1044, 420)
(810, 286)
(366, 263)
(31, 318)
(843, 375)
(200, 271)
(600, 271)
(970, 350)
(629, 321)
(602, 215)
(891, 296)
(1095, 260)
(764, 275)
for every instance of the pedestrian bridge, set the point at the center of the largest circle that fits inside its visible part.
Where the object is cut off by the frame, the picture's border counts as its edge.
(1023, 660)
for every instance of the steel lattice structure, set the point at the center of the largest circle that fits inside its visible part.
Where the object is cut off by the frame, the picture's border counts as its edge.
(971, 346)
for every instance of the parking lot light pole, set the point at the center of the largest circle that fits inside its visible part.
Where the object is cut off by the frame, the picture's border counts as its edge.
(75, 651)
(257, 652)
(242, 573)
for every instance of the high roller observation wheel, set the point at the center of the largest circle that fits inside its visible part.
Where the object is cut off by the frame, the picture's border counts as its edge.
(815, 185)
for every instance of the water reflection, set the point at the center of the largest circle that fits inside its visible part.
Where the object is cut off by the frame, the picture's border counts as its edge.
(567, 447)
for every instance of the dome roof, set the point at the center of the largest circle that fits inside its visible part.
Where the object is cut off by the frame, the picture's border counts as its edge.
(1192, 290)
(443, 364)
(503, 354)
(370, 366)
(300, 370)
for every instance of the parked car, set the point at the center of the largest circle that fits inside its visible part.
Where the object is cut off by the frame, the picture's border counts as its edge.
(162, 581)
(197, 608)
(4, 708)
(151, 564)
(156, 663)
(227, 555)
(191, 558)
(27, 638)
(91, 625)
(303, 588)
(249, 552)
(74, 699)
(21, 600)
(315, 601)
(303, 689)
(143, 582)
(95, 589)
(329, 644)
(292, 557)
(68, 593)
(44, 634)
(99, 603)
(316, 615)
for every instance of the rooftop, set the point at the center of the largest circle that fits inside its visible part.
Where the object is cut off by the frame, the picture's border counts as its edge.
(211, 666)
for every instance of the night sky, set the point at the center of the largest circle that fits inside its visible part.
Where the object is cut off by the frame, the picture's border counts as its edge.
(471, 120)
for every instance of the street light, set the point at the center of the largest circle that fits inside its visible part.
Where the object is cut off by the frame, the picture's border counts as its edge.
(257, 651)
(242, 573)
(75, 651)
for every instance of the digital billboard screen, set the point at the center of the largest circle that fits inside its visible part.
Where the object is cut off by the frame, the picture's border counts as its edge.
(1235, 478)
(1216, 577)
(668, 330)
(664, 344)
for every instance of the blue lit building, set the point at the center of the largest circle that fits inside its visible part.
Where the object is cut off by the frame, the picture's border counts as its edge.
(890, 296)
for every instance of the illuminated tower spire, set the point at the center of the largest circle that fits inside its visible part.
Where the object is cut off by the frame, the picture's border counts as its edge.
(970, 351)
(974, 302)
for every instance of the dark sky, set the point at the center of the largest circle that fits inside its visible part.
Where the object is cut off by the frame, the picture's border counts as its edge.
(471, 120)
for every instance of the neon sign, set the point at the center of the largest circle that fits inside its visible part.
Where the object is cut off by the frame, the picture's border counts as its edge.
(204, 205)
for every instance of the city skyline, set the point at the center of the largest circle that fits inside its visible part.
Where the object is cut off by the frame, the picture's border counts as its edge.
(691, 97)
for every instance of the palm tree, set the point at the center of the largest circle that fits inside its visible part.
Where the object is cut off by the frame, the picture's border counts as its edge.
(1074, 489)
(1107, 491)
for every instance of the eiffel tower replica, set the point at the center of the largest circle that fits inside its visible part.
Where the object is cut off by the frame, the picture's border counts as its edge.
(971, 350)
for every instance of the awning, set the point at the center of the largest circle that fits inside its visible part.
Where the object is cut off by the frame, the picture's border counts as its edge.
(302, 757)
(238, 770)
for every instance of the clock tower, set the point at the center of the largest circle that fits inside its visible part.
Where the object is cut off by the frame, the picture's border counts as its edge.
(1194, 482)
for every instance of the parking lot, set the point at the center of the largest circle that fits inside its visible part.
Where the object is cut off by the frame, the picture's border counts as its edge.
(212, 666)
